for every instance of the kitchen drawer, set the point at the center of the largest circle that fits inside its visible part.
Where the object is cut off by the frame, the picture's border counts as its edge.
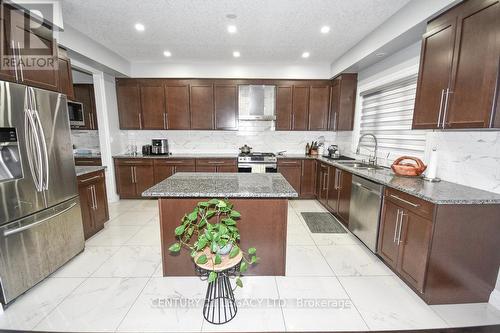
(174, 161)
(290, 162)
(134, 161)
(84, 161)
(90, 177)
(416, 205)
(215, 161)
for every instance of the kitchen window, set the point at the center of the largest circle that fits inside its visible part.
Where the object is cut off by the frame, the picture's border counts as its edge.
(387, 112)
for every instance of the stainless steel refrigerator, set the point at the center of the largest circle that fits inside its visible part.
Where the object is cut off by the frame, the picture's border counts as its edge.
(40, 218)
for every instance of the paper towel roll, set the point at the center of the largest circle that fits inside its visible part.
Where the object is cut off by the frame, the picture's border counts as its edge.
(433, 164)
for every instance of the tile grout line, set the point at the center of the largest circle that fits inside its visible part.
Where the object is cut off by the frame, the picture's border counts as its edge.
(352, 302)
(281, 307)
(62, 300)
(133, 303)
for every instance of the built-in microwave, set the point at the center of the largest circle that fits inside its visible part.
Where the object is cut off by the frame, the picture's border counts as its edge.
(76, 114)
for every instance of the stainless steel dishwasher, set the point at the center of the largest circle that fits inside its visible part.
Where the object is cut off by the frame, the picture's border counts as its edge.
(364, 214)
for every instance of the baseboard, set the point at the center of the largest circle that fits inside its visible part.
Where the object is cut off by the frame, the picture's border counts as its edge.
(495, 298)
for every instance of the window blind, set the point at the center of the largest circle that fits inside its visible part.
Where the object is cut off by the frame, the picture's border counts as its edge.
(387, 112)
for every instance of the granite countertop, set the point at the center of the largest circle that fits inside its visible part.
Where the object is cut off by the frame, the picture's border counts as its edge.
(87, 155)
(442, 193)
(223, 185)
(438, 193)
(178, 156)
(83, 170)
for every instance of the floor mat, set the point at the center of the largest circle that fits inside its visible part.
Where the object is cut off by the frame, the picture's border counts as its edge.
(323, 223)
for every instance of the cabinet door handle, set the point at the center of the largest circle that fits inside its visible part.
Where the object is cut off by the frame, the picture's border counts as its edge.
(20, 61)
(440, 109)
(15, 59)
(400, 226)
(405, 201)
(165, 120)
(335, 123)
(396, 226)
(445, 113)
(302, 169)
(293, 121)
(140, 120)
(325, 175)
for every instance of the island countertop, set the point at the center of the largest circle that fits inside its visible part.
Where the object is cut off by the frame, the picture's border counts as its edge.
(222, 185)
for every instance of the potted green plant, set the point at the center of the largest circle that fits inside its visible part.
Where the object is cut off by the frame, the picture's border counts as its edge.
(211, 233)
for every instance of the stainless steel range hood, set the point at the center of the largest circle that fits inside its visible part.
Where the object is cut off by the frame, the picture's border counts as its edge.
(257, 102)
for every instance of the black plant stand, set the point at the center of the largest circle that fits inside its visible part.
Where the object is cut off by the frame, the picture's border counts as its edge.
(220, 305)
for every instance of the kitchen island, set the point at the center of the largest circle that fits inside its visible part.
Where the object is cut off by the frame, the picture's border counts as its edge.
(262, 200)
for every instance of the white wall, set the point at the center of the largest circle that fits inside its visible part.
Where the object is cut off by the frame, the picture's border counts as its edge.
(80, 77)
(83, 48)
(408, 17)
(231, 70)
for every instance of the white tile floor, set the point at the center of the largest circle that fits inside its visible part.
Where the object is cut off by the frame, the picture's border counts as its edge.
(333, 283)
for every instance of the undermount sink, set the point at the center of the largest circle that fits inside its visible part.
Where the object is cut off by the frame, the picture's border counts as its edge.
(360, 165)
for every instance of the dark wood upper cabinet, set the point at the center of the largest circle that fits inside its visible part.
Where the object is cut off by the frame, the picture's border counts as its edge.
(343, 102)
(226, 107)
(458, 79)
(300, 107)
(129, 104)
(178, 114)
(202, 106)
(153, 105)
(65, 75)
(435, 74)
(84, 93)
(284, 98)
(319, 102)
(476, 67)
(308, 179)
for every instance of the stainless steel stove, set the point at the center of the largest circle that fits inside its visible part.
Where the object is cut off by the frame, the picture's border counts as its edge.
(257, 162)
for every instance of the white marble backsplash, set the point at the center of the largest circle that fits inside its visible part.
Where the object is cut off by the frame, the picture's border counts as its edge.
(469, 158)
(85, 139)
(214, 142)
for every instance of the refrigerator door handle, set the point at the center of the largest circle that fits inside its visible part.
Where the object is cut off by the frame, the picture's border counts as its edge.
(32, 143)
(29, 226)
(45, 155)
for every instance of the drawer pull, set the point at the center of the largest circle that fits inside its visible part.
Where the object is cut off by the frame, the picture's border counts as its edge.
(405, 201)
(89, 179)
(215, 162)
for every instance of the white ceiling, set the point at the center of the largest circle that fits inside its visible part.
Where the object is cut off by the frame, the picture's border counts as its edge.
(269, 31)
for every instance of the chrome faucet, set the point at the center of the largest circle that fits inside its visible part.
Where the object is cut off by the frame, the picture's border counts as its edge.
(372, 160)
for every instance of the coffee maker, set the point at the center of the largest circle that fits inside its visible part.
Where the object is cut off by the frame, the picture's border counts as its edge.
(159, 147)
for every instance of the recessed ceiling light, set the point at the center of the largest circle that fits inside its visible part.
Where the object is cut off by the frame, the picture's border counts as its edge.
(232, 29)
(380, 54)
(325, 29)
(167, 54)
(236, 54)
(231, 16)
(305, 55)
(139, 27)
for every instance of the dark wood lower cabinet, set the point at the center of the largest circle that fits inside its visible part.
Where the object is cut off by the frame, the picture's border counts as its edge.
(446, 253)
(291, 169)
(164, 168)
(308, 179)
(133, 176)
(322, 189)
(93, 202)
(216, 165)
